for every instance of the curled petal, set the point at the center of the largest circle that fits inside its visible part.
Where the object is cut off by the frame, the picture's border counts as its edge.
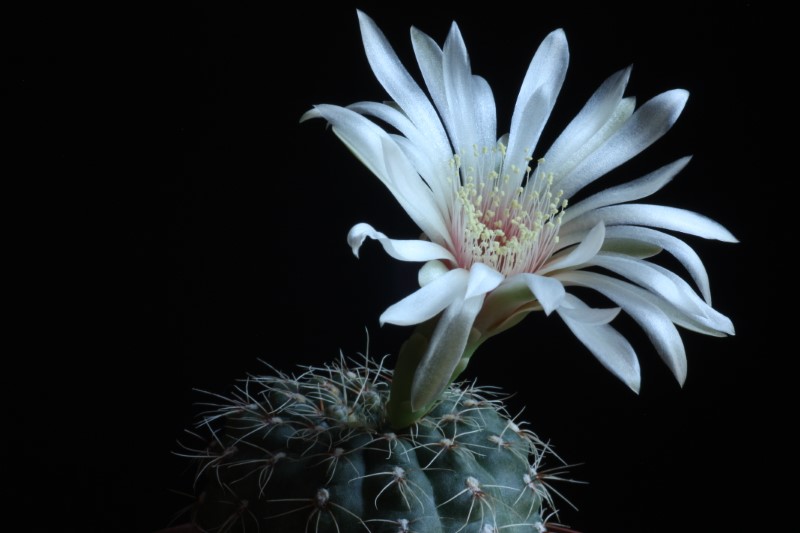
(404, 250)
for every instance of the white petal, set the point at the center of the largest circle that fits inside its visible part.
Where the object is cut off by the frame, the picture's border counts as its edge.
(646, 275)
(679, 249)
(485, 114)
(458, 86)
(435, 175)
(569, 149)
(618, 118)
(482, 279)
(547, 68)
(432, 165)
(399, 84)
(657, 216)
(404, 250)
(536, 99)
(429, 300)
(522, 140)
(360, 135)
(548, 291)
(609, 347)
(444, 351)
(628, 192)
(582, 253)
(650, 317)
(394, 117)
(414, 195)
(429, 59)
(591, 316)
(647, 125)
(381, 155)
(707, 320)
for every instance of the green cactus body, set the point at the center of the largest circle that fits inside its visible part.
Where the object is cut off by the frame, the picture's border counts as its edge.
(313, 453)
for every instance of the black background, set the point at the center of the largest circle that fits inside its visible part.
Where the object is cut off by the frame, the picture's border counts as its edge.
(216, 237)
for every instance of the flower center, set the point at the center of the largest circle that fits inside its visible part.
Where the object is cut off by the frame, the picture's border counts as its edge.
(511, 228)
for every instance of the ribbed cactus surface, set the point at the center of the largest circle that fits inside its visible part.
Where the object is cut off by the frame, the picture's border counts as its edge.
(313, 453)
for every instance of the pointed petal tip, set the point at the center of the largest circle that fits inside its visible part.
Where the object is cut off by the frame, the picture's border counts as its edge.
(311, 113)
(482, 279)
(548, 291)
(356, 237)
(366, 24)
(680, 375)
(625, 74)
(725, 235)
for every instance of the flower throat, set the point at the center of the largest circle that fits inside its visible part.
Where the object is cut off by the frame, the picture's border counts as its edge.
(511, 228)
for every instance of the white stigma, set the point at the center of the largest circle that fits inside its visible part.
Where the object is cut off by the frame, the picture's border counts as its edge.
(510, 228)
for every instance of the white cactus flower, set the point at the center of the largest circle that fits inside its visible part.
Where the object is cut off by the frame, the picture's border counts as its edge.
(501, 238)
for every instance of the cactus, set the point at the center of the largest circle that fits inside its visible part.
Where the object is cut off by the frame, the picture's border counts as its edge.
(314, 453)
